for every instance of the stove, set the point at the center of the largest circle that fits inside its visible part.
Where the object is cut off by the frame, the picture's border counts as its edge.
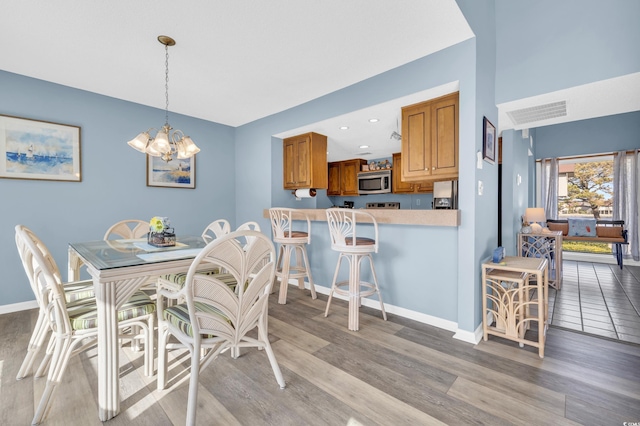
(387, 205)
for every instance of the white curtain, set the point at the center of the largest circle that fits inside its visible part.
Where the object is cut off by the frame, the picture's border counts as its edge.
(625, 196)
(549, 187)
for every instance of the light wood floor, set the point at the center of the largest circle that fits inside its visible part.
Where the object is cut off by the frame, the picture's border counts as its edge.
(388, 373)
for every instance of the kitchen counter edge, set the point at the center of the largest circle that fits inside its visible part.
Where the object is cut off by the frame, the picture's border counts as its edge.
(396, 216)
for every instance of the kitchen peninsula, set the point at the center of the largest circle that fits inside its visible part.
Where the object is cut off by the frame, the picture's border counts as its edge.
(397, 217)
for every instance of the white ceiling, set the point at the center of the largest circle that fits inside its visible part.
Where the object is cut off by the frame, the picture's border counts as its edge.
(236, 61)
(606, 97)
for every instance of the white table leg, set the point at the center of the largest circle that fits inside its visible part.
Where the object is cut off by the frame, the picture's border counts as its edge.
(73, 267)
(108, 362)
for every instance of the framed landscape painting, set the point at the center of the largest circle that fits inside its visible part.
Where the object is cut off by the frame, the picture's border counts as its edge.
(176, 173)
(31, 149)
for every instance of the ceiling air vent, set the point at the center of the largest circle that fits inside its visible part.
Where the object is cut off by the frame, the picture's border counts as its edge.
(364, 153)
(538, 113)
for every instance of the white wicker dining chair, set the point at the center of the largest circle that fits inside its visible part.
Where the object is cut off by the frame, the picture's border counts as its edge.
(74, 325)
(73, 291)
(251, 226)
(130, 229)
(216, 229)
(214, 317)
(127, 229)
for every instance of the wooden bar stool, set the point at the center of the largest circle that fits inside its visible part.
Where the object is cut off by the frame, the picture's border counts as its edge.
(346, 239)
(293, 244)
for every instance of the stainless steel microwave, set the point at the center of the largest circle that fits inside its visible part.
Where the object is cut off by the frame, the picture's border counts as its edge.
(374, 182)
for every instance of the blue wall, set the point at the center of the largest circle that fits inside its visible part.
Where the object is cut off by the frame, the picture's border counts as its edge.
(548, 45)
(483, 208)
(594, 136)
(113, 183)
(515, 191)
(417, 266)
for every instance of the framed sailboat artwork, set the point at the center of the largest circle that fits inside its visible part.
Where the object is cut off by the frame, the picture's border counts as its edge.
(32, 149)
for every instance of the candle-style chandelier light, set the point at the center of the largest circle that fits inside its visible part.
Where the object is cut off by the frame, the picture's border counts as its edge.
(166, 143)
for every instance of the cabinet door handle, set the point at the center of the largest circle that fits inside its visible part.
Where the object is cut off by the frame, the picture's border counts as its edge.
(433, 168)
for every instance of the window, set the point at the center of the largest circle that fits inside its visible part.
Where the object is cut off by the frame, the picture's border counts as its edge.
(585, 190)
(585, 187)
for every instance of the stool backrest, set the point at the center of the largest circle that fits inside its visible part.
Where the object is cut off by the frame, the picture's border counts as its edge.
(282, 225)
(350, 230)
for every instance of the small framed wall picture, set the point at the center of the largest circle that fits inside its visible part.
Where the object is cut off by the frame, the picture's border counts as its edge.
(177, 173)
(41, 150)
(489, 142)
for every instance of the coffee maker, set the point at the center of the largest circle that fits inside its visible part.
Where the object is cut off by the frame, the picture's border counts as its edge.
(445, 194)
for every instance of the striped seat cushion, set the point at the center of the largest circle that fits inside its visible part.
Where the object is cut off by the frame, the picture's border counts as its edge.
(228, 279)
(77, 290)
(178, 279)
(179, 316)
(83, 313)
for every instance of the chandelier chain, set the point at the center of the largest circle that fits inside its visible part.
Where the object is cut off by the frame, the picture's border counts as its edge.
(166, 84)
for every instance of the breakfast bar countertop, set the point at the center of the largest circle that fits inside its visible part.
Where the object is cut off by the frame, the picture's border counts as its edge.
(397, 216)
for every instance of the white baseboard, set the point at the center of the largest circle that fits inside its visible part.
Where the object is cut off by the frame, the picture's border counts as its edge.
(15, 307)
(463, 335)
(468, 336)
(407, 313)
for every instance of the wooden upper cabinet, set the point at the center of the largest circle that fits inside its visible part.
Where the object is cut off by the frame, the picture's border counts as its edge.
(430, 140)
(334, 179)
(349, 176)
(343, 177)
(305, 161)
(400, 186)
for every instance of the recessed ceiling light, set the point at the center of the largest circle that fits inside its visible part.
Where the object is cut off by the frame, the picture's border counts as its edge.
(364, 146)
(373, 120)
(344, 127)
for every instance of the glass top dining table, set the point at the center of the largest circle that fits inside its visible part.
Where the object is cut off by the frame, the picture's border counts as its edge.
(118, 269)
(108, 254)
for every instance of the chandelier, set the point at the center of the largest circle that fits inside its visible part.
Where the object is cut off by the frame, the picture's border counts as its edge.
(167, 143)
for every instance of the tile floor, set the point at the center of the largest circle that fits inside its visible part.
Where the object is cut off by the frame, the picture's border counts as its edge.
(599, 299)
